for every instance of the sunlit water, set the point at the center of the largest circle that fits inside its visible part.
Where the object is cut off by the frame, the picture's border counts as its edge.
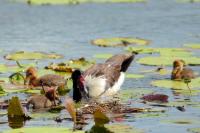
(68, 30)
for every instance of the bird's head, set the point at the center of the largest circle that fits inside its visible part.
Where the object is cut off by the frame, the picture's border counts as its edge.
(31, 74)
(79, 90)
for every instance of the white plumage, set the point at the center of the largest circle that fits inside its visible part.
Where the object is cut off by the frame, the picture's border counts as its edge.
(97, 85)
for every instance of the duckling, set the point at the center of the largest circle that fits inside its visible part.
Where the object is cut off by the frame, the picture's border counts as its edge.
(180, 71)
(50, 81)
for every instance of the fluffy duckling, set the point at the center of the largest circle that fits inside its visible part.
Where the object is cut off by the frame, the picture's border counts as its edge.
(49, 83)
(180, 71)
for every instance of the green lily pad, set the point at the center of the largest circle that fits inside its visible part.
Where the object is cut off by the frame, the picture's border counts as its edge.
(122, 128)
(194, 130)
(193, 45)
(121, 41)
(44, 115)
(180, 103)
(182, 121)
(23, 55)
(167, 61)
(126, 94)
(42, 129)
(10, 88)
(103, 56)
(134, 76)
(177, 52)
(179, 86)
(159, 70)
(150, 115)
(61, 2)
(68, 66)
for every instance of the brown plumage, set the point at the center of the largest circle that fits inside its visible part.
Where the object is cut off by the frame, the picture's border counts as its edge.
(180, 71)
(50, 81)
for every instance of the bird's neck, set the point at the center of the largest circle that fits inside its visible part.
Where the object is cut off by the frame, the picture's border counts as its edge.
(34, 81)
(76, 91)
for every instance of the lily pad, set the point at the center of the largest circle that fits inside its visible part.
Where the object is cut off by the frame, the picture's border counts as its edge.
(10, 88)
(178, 52)
(182, 121)
(167, 61)
(127, 94)
(122, 128)
(179, 86)
(121, 41)
(43, 130)
(24, 55)
(194, 130)
(59, 2)
(193, 45)
(103, 56)
(44, 115)
(68, 66)
(195, 83)
(150, 115)
(179, 103)
(134, 76)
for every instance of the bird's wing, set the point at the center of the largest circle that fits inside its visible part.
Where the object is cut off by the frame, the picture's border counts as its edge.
(111, 68)
(121, 60)
(52, 80)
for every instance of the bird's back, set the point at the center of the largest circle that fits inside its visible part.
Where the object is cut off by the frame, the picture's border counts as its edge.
(52, 80)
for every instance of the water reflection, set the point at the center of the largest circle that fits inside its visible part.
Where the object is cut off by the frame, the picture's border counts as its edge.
(16, 122)
(99, 129)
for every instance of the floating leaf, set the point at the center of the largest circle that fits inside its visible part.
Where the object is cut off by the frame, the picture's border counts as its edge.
(134, 76)
(103, 56)
(68, 66)
(177, 52)
(155, 97)
(150, 115)
(23, 55)
(121, 41)
(179, 86)
(167, 61)
(44, 115)
(10, 88)
(42, 130)
(141, 50)
(182, 121)
(100, 118)
(126, 94)
(122, 128)
(193, 45)
(15, 108)
(194, 130)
